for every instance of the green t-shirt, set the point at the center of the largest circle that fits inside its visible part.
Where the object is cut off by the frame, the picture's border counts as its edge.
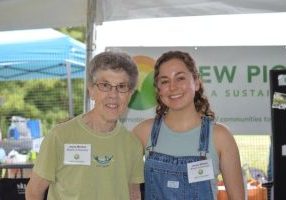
(103, 172)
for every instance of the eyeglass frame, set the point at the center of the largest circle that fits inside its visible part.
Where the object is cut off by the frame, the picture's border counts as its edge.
(110, 86)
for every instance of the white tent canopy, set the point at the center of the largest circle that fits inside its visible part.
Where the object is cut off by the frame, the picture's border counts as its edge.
(110, 10)
(34, 14)
(219, 30)
(31, 14)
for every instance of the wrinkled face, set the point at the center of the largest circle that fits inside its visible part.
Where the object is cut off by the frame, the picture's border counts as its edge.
(176, 85)
(111, 94)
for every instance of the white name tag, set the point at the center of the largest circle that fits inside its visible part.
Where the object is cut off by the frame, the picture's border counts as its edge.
(77, 154)
(173, 184)
(200, 171)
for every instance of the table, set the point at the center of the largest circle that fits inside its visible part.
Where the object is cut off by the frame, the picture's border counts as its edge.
(21, 166)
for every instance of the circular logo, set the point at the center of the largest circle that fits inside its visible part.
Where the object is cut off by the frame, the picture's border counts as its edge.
(200, 171)
(76, 156)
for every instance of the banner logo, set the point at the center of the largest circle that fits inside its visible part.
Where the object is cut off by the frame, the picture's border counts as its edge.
(144, 95)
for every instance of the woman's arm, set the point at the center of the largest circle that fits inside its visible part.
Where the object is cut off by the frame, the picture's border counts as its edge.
(135, 193)
(36, 187)
(230, 165)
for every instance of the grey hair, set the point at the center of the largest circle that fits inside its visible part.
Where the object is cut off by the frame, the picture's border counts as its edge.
(114, 60)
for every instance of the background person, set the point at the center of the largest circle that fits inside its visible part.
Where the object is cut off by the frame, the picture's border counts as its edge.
(185, 149)
(93, 156)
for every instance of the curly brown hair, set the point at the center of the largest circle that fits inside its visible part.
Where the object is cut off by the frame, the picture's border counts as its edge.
(202, 104)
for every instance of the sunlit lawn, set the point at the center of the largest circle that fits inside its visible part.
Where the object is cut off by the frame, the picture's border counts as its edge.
(254, 150)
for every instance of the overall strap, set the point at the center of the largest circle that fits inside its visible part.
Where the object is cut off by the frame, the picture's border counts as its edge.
(204, 136)
(154, 134)
(155, 130)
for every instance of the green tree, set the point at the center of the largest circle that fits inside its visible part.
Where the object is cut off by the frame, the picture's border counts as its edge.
(45, 99)
(78, 33)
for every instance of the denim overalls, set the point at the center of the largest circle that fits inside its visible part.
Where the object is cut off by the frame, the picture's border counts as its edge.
(166, 176)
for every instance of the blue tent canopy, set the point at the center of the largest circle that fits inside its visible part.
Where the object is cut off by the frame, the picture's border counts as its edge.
(40, 53)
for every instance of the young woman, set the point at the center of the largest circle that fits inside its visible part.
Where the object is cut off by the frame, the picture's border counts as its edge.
(185, 149)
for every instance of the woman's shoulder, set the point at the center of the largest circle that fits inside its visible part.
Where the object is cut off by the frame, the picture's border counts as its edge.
(223, 137)
(220, 128)
(145, 124)
(222, 132)
(143, 130)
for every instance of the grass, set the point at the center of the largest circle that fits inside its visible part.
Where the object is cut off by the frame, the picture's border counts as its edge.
(254, 150)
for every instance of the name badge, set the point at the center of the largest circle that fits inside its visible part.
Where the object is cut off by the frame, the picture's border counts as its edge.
(200, 171)
(77, 154)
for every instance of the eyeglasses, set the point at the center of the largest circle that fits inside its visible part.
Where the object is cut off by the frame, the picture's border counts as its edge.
(107, 87)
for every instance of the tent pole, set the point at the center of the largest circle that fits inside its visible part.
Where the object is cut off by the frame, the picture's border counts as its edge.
(90, 47)
(68, 68)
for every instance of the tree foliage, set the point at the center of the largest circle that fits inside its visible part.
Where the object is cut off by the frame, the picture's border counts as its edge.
(45, 99)
(78, 33)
